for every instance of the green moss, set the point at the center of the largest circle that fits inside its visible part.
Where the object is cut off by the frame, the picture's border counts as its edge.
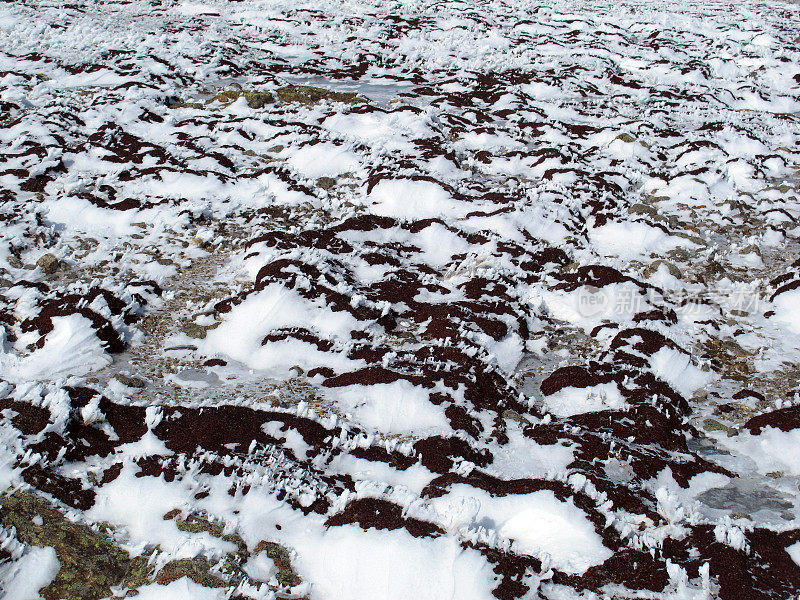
(140, 573)
(197, 569)
(226, 96)
(306, 94)
(90, 564)
(254, 98)
(257, 99)
(280, 556)
(186, 105)
(714, 425)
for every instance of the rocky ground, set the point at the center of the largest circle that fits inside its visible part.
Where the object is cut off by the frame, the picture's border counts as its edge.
(399, 299)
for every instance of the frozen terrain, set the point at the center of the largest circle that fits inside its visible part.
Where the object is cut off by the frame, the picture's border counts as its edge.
(399, 300)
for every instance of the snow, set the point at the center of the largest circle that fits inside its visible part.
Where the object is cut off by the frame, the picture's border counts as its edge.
(787, 310)
(496, 211)
(22, 580)
(631, 239)
(241, 334)
(398, 407)
(261, 567)
(71, 348)
(794, 552)
(138, 505)
(570, 401)
(539, 524)
(323, 160)
(180, 589)
(772, 450)
(406, 199)
(347, 562)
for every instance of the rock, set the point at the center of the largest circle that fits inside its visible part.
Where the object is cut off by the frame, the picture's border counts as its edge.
(651, 269)
(48, 263)
(326, 183)
(626, 137)
(713, 269)
(132, 382)
(197, 569)
(258, 99)
(694, 238)
(714, 425)
(280, 556)
(226, 96)
(751, 249)
(193, 330)
(307, 94)
(15, 262)
(643, 209)
(512, 415)
(90, 565)
(186, 105)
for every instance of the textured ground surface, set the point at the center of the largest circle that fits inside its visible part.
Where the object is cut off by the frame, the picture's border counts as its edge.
(348, 300)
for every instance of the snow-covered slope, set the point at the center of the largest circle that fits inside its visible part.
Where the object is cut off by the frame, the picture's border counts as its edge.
(400, 299)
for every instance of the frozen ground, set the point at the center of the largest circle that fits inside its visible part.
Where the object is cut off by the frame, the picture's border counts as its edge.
(506, 305)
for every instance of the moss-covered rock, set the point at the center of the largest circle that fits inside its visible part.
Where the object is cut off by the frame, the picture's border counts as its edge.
(280, 556)
(90, 563)
(254, 98)
(197, 569)
(175, 105)
(257, 99)
(307, 94)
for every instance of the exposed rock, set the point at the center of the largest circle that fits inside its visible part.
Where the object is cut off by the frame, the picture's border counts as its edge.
(326, 183)
(132, 382)
(654, 266)
(193, 330)
(197, 569)
(90, 564)
(306, 94)
(643, 209)
(258, 99)
(286, 575)
(513, 415)
(48, 263)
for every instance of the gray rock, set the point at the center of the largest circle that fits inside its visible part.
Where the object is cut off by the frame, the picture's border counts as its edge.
(656, 264)
(193, 330)
(258, 99)
(48, 263)
(643, 209)
(512, 415)
(127, 380)
(326, 183)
